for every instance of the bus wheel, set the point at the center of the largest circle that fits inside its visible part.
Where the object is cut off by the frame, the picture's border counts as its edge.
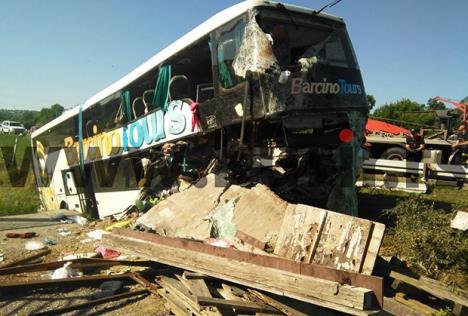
(63, 205)
(394, 153)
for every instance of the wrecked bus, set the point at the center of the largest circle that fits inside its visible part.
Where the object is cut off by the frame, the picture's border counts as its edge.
(270, 93)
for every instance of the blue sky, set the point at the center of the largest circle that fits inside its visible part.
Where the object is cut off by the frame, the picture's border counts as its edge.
(63, 51)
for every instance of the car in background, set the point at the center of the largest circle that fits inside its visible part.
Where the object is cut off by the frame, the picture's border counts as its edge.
(12, 127)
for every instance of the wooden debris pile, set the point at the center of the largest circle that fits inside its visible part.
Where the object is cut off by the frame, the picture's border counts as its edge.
(244, 284)
(408, 293)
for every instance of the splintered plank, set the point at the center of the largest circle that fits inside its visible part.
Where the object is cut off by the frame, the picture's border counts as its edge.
(300, 232)
(176, 306)
(197, 287)
(286, 309)
(373, 248)
(343, 242)
(431, 287)
(238, 305)
(181, 294)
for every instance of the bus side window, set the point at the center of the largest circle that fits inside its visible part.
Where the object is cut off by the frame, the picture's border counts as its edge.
(192, 76)
(229, 40)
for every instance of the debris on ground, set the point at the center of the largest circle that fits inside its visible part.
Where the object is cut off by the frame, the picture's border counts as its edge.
(21, 235)
(34, 245)
(64, 272)
(460, 221)
(205, 253)
(95, 234)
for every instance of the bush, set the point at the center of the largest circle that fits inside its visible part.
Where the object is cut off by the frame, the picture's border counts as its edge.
(422, 236)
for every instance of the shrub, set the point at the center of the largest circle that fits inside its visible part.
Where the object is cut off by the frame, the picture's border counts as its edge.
(422, 236)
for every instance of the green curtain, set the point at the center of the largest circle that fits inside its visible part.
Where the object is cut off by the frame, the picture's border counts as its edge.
(224, 74)
(161, 90)
(126, 107)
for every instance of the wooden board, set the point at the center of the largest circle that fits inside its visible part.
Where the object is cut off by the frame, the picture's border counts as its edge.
(373, 248)
(286, 309)
(196, 286)
(310, 234)
(238, 305)
(300, 232)
(431, 287)
(330, 294)
(342, 244)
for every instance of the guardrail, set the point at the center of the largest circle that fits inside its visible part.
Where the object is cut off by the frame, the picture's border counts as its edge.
(429, 170)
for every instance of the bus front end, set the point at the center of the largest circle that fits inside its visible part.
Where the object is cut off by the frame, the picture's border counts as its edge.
(294, 104)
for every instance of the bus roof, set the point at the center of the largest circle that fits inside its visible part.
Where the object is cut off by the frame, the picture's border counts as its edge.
(191, 37)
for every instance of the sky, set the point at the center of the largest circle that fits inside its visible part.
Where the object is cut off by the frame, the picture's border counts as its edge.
(64, 51)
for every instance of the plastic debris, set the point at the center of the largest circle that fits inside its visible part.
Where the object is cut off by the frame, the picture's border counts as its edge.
(96, 234)
(121, 224)
(65, 272)
(86, 240)
(219, 243)
(34, 245)
(108, 288)
(107, 253)
(78, 220)
(63, 232)
(51, 242)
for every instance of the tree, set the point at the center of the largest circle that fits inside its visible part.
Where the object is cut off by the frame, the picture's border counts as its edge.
(435, 105)
(406, 113)
(48, 114)
(370, 101)
(28, 118)
(464, 100)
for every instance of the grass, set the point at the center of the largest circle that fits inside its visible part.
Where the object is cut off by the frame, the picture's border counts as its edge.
(16, 199)
(450, 195)
(418, 230)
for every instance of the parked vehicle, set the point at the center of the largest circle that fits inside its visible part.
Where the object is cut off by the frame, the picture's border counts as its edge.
(12, 127)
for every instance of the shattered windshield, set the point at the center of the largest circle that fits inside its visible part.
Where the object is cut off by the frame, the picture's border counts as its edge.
(296, 36)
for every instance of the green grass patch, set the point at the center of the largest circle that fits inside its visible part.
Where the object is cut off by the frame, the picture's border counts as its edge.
(14, 199)
(421, 236)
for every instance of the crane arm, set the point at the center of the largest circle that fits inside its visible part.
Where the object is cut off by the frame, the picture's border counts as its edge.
(460, 106)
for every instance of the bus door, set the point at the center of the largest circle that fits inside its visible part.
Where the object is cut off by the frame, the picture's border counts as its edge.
(71, 191)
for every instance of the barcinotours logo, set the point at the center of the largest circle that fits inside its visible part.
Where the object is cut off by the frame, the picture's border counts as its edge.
(340, 87)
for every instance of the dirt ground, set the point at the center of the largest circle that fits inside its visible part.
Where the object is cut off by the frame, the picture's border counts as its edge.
(28, 301)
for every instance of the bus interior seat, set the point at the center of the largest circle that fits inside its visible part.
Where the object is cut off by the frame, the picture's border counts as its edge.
(139, 107)
(148, 96)
(179, 88)
(205, 91)
(89, 126)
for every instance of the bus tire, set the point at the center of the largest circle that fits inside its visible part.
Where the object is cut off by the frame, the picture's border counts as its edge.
(63, 205)
(394, 153)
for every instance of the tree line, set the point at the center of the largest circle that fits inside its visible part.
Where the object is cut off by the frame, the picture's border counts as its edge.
(31, 118)
(409, 114)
